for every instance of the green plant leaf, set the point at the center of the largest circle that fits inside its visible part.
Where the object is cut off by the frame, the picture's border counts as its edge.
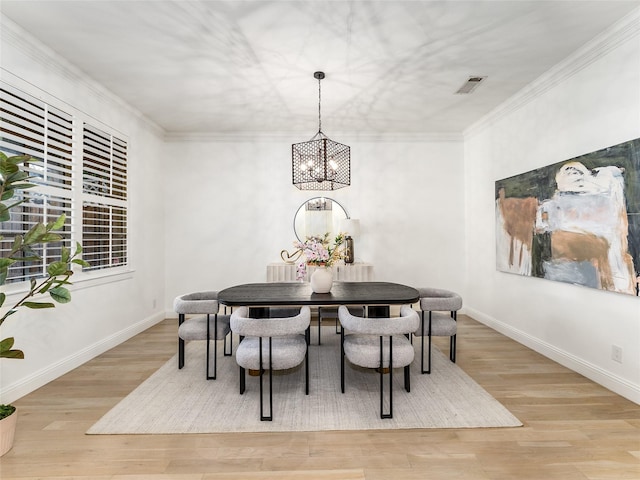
(6, 262)
(22, 186)
(17, 243)
(60, 294)
(50, 237)
(79, 261)
(5, 215)
(3, 297)
(57, 268)
(7, 343)
(33, 235)
(78, 249)
(12, 354)
(38, 305)
(59, 223)
(65, 255)
(6, 351)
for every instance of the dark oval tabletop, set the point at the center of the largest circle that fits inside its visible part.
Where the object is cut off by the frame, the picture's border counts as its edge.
(342, 293)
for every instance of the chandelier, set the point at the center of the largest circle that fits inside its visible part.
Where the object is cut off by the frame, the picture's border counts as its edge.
(320, 163)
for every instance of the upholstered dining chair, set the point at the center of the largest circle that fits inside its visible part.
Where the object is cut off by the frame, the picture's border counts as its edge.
(269, 344)
(381, 343)
(441, 308)
(207, 326)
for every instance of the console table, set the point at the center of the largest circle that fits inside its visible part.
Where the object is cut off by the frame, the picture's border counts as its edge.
(354, 272)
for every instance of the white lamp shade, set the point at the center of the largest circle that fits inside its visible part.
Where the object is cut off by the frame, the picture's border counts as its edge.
(350, 226)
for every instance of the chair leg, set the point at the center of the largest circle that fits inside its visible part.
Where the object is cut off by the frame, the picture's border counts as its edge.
(452, 342)
(264, 417)
(306, 362)
(452, 349)
(407, 378)
(341, 359)
(424, 370)
(242, 380)
(180, 343)
(381, 369)
(230, 351)
(429, 354)
(215, 347)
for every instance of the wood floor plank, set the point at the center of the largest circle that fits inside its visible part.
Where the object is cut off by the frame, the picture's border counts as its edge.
(573, 428)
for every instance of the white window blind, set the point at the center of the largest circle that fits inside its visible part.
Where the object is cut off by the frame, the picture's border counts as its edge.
(104, 209)
(29, 126)
(65, 149)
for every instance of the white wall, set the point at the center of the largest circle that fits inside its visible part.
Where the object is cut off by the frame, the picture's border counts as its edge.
(236, 211)
(589, 102)
(106, 312)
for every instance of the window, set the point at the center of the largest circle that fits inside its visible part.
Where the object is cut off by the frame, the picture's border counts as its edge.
(104, 206)
(61, 153)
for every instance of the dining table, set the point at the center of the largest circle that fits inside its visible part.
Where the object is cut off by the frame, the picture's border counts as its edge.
(378, 296)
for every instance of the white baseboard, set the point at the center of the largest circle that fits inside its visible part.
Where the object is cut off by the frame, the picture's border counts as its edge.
(593, 372)
(36, 380)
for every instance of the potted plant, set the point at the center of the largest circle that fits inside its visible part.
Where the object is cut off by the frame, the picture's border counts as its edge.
(13, 179)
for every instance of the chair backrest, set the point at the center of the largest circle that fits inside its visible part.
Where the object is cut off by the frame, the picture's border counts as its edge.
(407, 322)
(242, 324)
(197, 303)
(436, 299)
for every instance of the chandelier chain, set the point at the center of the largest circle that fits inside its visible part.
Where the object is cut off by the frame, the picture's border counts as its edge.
(319, 102)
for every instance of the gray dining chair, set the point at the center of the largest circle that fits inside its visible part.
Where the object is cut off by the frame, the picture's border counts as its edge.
(381, 343)
(208, 325)
(441, 308)
(268, 344)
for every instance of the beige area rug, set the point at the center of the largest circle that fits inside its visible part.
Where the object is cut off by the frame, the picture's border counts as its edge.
(183, 401)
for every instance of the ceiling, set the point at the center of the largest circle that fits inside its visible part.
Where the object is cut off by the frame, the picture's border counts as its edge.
(246, 67)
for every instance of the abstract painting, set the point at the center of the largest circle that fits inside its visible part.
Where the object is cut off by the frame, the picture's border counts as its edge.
(576, 221)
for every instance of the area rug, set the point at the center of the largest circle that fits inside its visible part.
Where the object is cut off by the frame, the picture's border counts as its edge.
(174, 401)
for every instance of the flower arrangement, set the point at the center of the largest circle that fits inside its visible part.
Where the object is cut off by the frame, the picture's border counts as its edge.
(318, 251)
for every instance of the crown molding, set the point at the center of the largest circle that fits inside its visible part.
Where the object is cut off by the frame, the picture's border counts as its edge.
(292, 137)
(624, 30)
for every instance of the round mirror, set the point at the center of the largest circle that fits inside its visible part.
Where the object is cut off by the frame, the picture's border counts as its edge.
(318, 216)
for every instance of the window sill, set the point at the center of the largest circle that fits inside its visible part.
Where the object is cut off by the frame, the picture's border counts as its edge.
(79, 280)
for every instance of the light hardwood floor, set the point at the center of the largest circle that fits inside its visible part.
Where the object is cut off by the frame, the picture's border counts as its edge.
(573, 428)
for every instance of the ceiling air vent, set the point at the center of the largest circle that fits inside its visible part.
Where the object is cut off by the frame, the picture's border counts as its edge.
(470, 85)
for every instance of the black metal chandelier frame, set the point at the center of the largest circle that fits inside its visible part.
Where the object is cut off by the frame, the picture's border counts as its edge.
(320, 163)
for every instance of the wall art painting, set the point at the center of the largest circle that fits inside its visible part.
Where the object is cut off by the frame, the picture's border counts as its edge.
(576, 221)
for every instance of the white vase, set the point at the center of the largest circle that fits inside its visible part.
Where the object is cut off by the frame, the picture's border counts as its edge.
(321, 280)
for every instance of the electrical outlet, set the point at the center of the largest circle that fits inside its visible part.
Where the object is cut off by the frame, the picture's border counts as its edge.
(616, 353)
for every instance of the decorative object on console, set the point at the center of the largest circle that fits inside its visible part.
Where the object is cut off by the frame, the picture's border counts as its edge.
(290, 257)
(351, 228)
(348, 250)
(320, 163)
